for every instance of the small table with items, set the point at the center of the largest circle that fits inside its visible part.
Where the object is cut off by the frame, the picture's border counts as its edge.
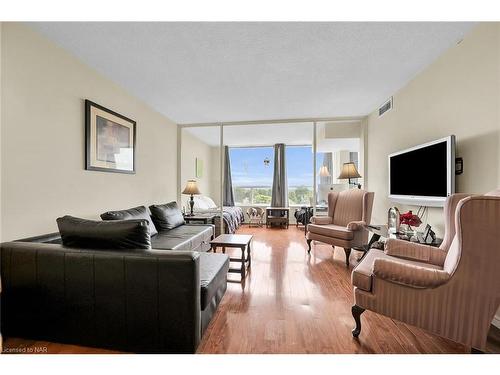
(303, 216)
(278, 215)
(200, 218)
(379, 231)
(241, 241)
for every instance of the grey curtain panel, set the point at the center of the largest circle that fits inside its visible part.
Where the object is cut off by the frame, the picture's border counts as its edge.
(328, 163)
(228, 194)
(280, 183)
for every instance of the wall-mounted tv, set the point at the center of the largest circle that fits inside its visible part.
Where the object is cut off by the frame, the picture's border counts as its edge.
(423, 175)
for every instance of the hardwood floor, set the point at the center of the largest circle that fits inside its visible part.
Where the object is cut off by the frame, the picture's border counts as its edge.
(295, 303)
(291, 302)
(24, 346)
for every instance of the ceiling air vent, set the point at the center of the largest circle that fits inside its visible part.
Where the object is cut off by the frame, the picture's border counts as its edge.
(387, 106)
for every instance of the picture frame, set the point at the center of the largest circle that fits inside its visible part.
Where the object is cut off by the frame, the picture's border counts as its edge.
(110, 140)
(199, 168)
(428, 234)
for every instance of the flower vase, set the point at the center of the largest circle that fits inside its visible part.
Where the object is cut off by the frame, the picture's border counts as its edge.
(410, 232)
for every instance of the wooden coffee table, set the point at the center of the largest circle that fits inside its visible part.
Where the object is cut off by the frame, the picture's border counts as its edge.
(241, 241)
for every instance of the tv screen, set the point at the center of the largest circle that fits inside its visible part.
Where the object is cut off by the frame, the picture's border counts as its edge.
(420, 172)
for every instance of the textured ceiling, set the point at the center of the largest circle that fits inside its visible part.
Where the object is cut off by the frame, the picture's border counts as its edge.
(206, 72)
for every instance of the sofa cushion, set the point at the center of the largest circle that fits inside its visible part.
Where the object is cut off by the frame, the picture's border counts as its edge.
(362, 275)
(185, 237)
(331, 230)
(166, 216)
(116, 234)
(140, 212)
(213, 275)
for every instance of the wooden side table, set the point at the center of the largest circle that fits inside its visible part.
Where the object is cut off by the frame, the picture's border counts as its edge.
(241, 241)
(200, 218)
(277, 215)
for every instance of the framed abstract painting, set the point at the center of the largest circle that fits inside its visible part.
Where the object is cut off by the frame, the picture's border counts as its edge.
(109, 140)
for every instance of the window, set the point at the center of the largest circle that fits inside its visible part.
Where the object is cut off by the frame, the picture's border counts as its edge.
(299, 161)
(252, 174)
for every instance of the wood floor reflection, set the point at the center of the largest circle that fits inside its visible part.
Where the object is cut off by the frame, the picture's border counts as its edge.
(291, 302)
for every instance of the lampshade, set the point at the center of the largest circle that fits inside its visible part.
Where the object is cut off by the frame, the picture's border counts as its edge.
(348, 171)
(324, 172)
(191, 188)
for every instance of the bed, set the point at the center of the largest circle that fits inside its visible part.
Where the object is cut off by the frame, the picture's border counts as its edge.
(233, 216)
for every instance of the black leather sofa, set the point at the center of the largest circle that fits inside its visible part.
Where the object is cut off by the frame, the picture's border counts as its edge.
(147, 301)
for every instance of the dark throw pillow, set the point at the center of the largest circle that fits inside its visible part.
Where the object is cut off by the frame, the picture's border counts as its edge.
(140, 212)
(116, 234)
(166, 216)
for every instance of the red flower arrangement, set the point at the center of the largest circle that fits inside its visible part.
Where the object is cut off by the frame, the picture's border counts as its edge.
(410, 219)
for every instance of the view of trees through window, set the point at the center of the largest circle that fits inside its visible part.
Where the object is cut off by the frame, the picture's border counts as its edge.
(252, 174)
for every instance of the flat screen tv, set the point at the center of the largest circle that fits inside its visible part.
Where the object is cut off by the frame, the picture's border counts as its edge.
(423, 175)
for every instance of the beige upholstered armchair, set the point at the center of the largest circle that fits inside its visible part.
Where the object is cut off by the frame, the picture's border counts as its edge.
(348, 213)
(452, 291)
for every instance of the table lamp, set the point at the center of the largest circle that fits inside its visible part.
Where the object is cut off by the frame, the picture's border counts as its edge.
(191, 189)
(349, 171)
(324, 172)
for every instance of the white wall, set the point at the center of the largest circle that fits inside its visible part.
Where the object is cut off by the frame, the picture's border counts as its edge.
(42, 143)
(215, 178)
(458, 94)
(192, 148)
(343, 129)
(363, 153)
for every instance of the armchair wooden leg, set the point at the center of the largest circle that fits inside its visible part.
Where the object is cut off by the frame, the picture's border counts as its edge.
(476, 351)
(347, 254)
(309, 245)
(356, 314)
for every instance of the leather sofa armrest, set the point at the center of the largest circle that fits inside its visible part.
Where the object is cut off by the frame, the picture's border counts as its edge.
(414, 251)
(44, 238)
(356, 225)
(321, 220)
(409, 274)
